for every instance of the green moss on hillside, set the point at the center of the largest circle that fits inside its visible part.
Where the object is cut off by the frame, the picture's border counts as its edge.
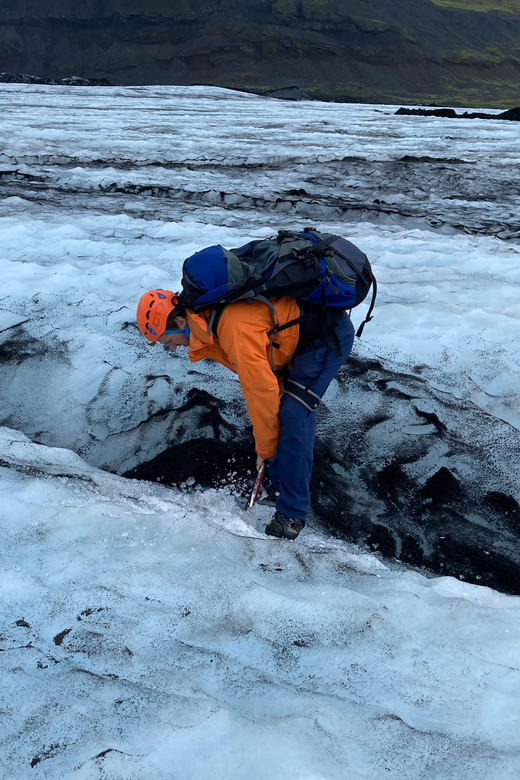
(284, 8)
(481, 58)
(508, 6)
(490, 94)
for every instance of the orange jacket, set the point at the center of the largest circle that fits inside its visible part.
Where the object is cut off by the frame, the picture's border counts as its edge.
(244, 347)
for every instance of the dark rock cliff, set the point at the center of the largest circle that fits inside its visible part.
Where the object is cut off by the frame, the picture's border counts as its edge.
(369, 50)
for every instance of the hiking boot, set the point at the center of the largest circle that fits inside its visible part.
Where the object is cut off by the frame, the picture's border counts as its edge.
(284, 527)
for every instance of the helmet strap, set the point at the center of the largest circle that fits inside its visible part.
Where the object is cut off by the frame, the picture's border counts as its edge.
(185, 331)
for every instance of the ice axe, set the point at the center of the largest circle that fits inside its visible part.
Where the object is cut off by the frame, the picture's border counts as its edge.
(257, 486)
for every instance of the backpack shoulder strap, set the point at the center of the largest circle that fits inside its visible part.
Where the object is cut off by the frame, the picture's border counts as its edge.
(371, 307)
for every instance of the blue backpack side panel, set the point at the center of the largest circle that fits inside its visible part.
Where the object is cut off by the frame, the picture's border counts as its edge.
(207, 269)
(212, 274)
(332, 291)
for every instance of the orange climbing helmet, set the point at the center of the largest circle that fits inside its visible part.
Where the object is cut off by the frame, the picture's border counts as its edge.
(152, 312)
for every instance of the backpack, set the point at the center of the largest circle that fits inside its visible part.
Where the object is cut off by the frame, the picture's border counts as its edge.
(319, 268)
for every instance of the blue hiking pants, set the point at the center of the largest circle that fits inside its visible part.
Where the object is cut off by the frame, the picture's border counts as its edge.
(291, 468)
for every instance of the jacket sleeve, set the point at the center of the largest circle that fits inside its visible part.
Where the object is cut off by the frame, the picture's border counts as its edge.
(246, 345)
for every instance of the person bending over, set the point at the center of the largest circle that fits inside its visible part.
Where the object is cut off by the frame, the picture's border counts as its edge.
(282, 380)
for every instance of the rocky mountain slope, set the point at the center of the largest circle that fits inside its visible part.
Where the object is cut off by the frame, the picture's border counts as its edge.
(362, 50)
